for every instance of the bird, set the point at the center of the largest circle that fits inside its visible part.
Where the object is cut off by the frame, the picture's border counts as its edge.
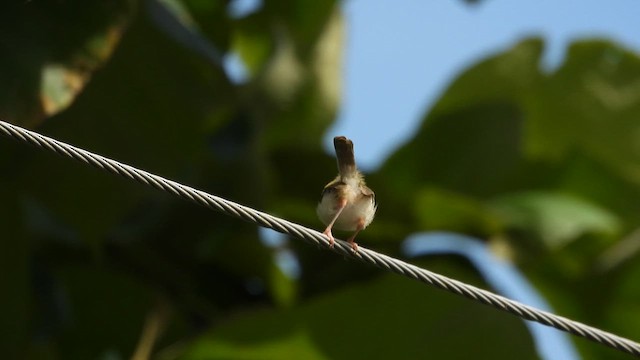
(347, 203)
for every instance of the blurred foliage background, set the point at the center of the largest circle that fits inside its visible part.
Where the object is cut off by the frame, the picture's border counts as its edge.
(544, 167)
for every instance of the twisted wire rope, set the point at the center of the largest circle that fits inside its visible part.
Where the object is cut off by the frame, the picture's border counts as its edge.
(316, 238)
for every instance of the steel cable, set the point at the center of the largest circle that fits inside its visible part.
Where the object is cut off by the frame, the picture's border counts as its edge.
(316, 238)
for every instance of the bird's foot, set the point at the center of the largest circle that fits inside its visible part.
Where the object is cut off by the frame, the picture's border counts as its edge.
(354, 246)
(329, 236)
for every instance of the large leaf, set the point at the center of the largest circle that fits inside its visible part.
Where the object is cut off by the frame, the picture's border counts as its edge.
(502, 78)
(555, 219)
(471, 140)
(590, 105)
(387, 318)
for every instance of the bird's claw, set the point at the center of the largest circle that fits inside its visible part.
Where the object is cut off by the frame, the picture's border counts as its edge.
(329, 236)
(354, 246)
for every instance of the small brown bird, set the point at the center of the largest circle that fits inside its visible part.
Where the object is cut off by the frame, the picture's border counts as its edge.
(347, 203)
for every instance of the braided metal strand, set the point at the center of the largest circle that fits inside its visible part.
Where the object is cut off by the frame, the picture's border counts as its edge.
(316, 238)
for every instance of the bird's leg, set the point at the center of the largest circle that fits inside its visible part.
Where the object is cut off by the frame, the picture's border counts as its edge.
(352, 239)
(342, 203)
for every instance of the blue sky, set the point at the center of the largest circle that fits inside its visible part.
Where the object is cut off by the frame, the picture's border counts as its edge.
(401, 55)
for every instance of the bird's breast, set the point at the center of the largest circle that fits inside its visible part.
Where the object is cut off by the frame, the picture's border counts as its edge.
(359, 209)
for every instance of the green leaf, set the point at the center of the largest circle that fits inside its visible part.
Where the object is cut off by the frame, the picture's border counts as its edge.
(501, 78)
(471, 141)
(555, 218)
(444, 210)
(590, 105)
(294, 344)
(387, 318)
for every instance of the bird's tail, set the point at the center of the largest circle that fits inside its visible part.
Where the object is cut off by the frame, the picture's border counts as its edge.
(345, 156)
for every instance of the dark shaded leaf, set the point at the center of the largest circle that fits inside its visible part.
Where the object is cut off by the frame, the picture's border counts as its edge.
(370, 321)
(50, 51)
